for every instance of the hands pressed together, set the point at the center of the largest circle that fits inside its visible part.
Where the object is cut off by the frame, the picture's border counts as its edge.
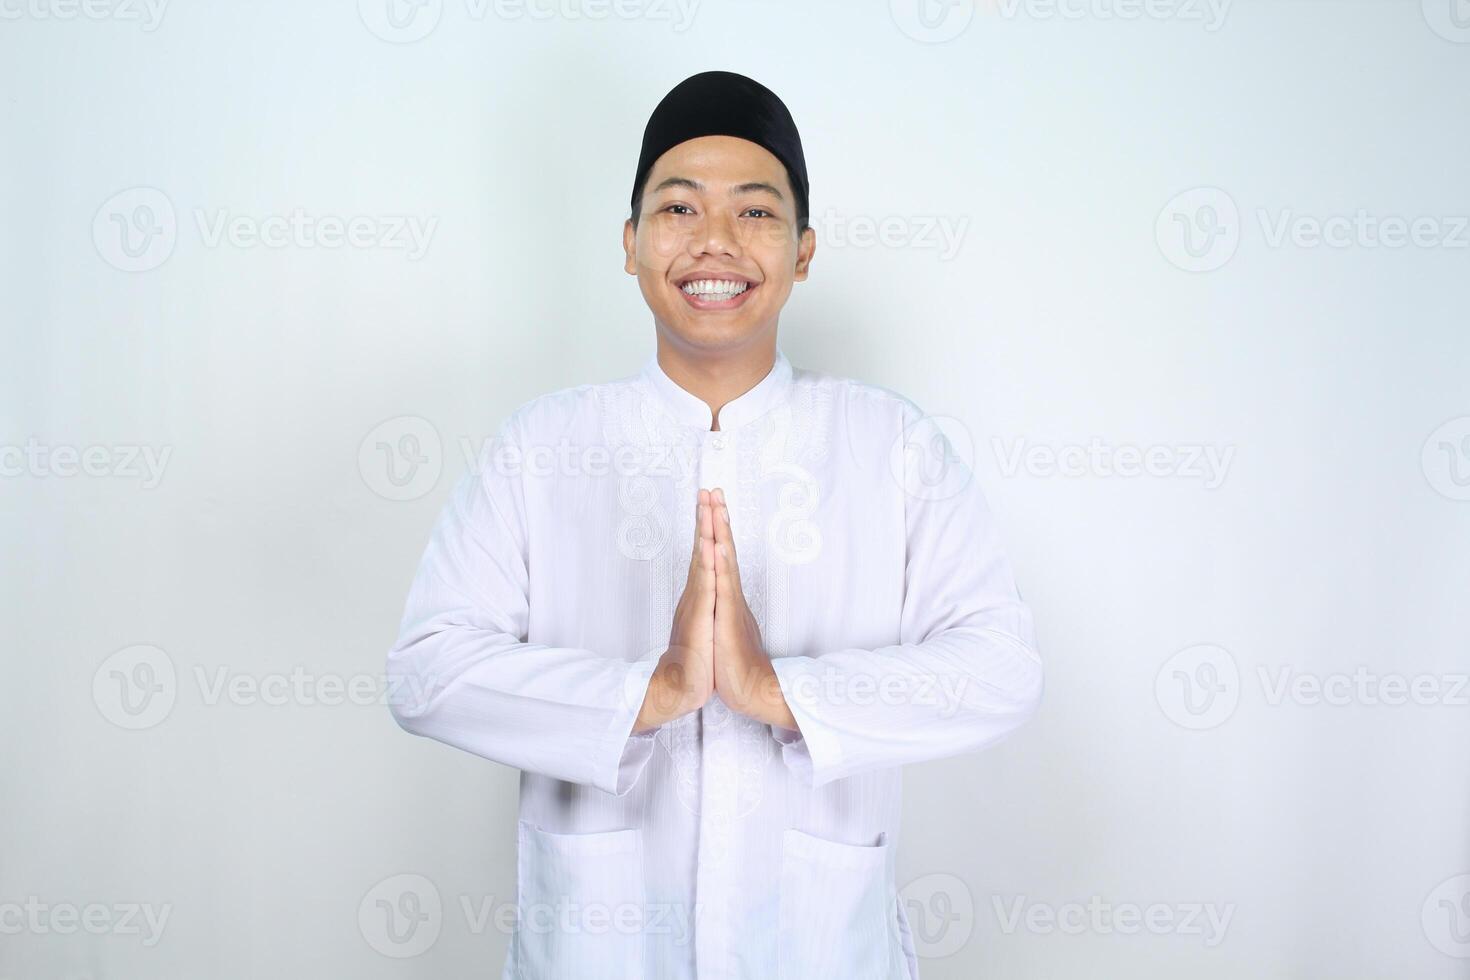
(715, 644)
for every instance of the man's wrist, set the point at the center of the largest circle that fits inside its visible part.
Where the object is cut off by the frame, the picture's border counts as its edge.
(764, 701)
(666, 699)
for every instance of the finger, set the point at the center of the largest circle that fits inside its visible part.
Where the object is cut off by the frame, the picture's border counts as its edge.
(708, 529)
(723, 534)
(727, 573)
(705, 578)
(707, 539)
(699, 502)
(707, 564)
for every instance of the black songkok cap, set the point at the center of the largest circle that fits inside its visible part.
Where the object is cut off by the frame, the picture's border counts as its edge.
(722, 103)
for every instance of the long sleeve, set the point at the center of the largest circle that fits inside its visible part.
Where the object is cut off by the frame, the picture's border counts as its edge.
(462, 672)
(965, 672)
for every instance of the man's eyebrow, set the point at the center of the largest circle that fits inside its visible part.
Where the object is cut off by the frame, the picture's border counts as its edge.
(749, 187)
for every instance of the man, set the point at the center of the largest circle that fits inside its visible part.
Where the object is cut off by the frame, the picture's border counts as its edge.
(709, 610)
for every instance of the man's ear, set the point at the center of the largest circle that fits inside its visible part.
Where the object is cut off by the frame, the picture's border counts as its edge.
(805, 249)
(630, 248)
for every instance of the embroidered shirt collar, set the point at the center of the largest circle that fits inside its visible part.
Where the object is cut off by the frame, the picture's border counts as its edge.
(691, 410)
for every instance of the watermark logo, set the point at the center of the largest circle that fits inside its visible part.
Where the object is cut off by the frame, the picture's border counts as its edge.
(933, 458)
(932, 21)
(401, 916)
(400, 21)
(135, 230)
(1450, 19)
(1445, 917)
(1198, 687)
(401, 458)
(135, 688)
(1199, 230)
(1446, 459)
(940, 909)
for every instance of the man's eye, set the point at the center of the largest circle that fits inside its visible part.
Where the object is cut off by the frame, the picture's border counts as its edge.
(672, 206)
(761, 212)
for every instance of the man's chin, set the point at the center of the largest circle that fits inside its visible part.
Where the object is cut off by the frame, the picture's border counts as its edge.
(708, 333)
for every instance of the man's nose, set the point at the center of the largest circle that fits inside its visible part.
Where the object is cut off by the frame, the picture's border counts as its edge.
(717, 234)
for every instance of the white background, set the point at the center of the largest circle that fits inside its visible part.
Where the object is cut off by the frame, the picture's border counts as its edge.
(1066, 316)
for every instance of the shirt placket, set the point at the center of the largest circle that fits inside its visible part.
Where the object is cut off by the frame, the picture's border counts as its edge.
(719, 762)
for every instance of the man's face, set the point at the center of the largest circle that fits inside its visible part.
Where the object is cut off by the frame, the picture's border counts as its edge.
(717, 209)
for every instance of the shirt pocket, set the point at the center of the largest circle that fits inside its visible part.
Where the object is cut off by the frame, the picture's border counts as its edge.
(579, 905)
(834, 910)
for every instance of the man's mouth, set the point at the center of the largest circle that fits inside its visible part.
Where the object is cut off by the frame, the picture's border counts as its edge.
(717, 294)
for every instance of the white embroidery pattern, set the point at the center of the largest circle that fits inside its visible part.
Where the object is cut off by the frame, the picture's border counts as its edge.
(779, 445)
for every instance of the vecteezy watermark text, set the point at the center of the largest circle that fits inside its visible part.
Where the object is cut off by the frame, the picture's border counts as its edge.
(1206, 463)
(126, 462)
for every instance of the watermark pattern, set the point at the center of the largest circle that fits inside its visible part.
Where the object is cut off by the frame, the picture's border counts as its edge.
(400, 21)
(1198, 687)
(1362, 229)
(1208, 14)
(1201, 686)
(939, 233)
(137, 230)
(1445, 917)
(940, 909)
(401, 916)
(933, 458)
(1450, 19)
(37, 918)
(145, 464)
(147, 14)
(1100, 917)
(1208, 464)
(830, 686)
(1445, 459)
(297, 228)
(567, 459)
(407, 21)
(138, 687)
(937, 21)
(135, 688)
(1201, 230)
(1363, 686)
(932, 21)
(404, 915)
(401, 458)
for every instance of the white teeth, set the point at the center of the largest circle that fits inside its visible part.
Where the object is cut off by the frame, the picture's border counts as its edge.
(715, 288)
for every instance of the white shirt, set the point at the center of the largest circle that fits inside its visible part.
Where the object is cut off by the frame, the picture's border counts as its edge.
(714, 846)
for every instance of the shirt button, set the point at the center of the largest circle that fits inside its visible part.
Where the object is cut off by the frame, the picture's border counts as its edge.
(718, 442)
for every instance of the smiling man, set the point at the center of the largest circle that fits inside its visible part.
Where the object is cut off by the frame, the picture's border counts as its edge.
(712, 633)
